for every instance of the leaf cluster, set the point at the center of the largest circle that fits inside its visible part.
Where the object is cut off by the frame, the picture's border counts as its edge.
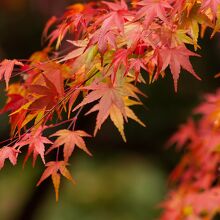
(96, 54)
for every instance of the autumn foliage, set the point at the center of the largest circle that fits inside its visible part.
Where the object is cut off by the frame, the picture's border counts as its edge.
(196, 194)
(97, 54)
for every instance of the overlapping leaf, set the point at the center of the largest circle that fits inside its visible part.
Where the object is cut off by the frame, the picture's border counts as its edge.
(70, 139)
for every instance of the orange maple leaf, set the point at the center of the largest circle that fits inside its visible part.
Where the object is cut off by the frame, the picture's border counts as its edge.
(70, 139)
(53, 167)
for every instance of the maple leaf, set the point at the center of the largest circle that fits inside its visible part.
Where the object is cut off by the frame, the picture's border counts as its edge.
(75, 20)
(118, 119)
(36, 142)
(137, 64)
(69, 139)
(52, 73)
(104, 38)
(176, 58)
(6, 68)
(108, 94)
(111, 103)
(111, 25)
(53, 167)
(47, 95)
(116, 17)
(151, 9)
(10, 153)
(119, 14)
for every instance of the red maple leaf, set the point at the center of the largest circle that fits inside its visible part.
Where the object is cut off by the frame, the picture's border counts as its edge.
(104, 37)
(10, 153)
(150, 9)
(112, 24)
(6, 68)
(116, 16)
(176, 58)
(35, 142)
(47, 95)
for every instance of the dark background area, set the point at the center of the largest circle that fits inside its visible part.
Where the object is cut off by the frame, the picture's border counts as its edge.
(122, 180)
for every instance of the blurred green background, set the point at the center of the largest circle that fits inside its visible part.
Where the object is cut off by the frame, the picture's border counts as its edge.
(121, 181)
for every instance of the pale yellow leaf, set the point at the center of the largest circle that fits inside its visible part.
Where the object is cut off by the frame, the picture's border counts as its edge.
(118, 120)
(56, 184)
